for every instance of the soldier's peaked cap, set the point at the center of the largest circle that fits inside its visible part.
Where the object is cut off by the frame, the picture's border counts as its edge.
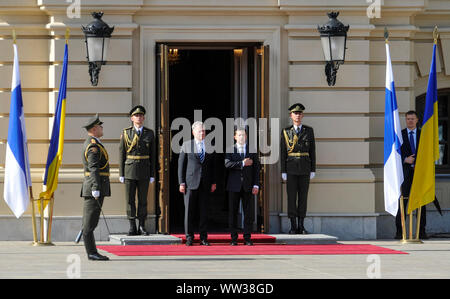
(95, 120)
(137, 110)
(297, 108)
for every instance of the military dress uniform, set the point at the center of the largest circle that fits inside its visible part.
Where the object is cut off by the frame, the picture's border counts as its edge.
(96, 178)
(136, 156)
(298, 160)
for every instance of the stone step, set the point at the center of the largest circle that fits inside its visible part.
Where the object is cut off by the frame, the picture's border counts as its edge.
(161, 239)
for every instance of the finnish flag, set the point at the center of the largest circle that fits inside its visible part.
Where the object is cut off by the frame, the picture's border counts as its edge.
(393, 170)
(17, 166)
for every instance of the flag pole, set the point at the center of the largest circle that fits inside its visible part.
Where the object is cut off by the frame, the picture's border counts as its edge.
(33, 217)
(419, 210)
(402, 215)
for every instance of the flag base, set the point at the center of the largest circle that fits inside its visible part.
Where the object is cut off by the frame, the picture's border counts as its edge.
(42, 244)
(413, 241)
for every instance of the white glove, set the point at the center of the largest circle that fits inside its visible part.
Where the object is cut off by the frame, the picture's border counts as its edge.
(122, 179)
(312, 175)
(152, 180)
(96, 194)
(284, 176)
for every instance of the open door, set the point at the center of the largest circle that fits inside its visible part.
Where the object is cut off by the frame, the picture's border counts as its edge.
(262, 96)
(163, 137)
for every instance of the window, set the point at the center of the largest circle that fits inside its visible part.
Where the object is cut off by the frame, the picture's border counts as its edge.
(443, 164)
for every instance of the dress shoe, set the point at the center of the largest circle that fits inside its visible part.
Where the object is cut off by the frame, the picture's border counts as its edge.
(189, 242)
(133, 231)
(97, 257)
(234, 243)
(248, 242)
(204, 243)
(142, 230)
(293, 229)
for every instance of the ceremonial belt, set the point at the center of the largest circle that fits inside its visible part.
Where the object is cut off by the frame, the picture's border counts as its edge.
(138, 157)
(298, 154)
(86, 173)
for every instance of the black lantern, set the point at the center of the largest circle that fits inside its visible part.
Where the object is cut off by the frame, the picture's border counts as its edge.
(334, 39)
(97, 34)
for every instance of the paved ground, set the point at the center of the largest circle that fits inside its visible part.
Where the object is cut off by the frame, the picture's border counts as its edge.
(68, 260)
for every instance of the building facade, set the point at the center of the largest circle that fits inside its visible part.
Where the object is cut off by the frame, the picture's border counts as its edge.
(205, 60)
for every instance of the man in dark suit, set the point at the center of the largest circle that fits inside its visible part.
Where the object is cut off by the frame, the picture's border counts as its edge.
(137, 168)
(196, 176)
(95, 186)
(411, 137)
(243, 182)
(298, 166)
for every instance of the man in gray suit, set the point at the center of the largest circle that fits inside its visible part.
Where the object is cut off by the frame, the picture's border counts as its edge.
(196, 177)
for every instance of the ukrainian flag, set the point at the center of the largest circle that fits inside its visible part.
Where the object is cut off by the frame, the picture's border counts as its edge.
(423, 186)
(55, 151)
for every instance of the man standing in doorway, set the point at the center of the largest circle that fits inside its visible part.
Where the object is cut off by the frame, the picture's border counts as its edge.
(137, 168)
(243, 182)
(196, 176)
(298, 166)
(411, 137)
(95, 186)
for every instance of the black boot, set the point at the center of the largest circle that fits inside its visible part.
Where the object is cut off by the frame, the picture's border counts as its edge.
(142, 229)
(133, 231)
(301, 228)
(293, 226)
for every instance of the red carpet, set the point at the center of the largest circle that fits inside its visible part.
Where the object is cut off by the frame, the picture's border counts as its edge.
(258, 249)
(226, 238)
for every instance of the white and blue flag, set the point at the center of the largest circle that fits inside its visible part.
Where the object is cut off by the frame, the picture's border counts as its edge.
(393, 170)
(17, 166)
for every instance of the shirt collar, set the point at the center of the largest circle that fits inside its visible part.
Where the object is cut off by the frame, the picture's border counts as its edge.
(415, 130)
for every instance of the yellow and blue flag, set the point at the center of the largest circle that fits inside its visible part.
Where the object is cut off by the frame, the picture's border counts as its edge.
(55, 152)
(423, 185)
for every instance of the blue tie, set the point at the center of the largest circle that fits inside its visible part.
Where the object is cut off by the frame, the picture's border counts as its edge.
(201, 154)
(411, 142)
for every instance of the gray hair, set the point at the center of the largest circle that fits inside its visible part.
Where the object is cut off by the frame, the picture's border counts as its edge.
(197, 124)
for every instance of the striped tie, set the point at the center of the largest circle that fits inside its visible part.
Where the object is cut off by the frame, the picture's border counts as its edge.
(201, 155)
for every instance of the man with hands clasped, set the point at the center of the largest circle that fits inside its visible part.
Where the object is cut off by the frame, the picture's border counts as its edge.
(137, 168)
(298, 166)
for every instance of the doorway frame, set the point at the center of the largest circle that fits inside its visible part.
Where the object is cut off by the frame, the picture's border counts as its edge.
(150, 35)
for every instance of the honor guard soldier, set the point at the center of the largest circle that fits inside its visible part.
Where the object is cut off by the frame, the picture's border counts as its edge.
(298, 166)
(136, 168)
(96, 184)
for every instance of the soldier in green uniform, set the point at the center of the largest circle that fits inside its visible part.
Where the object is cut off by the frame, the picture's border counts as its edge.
(95, 185)
(298, 166)
(137, 168)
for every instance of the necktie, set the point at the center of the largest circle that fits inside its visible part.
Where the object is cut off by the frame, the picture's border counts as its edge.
(241, 152)
(201, 155)
(411, 142)
(138, 132)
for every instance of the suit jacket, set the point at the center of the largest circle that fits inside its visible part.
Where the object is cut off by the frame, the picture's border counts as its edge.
(132, 147)
(191, 171)
(96, 169)
(306, 144)
(408, 170)
(238, 175)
